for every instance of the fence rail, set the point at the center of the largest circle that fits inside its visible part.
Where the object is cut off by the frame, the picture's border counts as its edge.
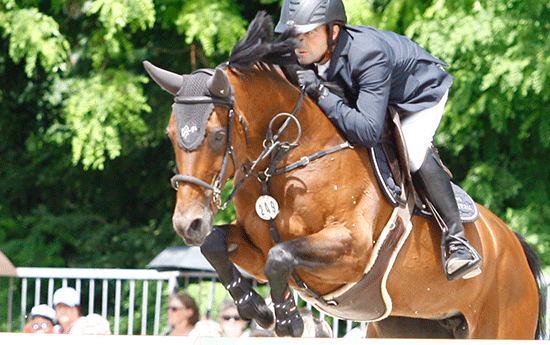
(108, 292)
(123, 296)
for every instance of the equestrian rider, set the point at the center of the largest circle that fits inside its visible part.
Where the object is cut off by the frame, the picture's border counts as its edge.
(376, 69)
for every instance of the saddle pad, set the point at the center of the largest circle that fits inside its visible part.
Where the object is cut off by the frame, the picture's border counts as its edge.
(469, 212)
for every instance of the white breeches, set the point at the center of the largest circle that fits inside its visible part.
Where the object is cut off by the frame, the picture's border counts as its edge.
(419, 130)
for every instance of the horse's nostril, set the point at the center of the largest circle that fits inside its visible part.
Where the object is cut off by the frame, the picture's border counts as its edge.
(195, 225)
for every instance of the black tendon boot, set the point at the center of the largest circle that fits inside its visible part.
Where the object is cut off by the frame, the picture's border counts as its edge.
(288, 319)
(249, 304)
(462, 259)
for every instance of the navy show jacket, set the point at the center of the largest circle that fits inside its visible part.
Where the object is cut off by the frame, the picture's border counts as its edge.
(378, 68)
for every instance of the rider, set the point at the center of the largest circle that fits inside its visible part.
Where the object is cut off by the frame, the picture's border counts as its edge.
(379, 68)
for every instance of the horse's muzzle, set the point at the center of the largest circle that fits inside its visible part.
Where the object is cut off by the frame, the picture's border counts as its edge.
(193, 224)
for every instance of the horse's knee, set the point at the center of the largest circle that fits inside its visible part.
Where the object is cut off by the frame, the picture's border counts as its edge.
(279, 261)
(215, 242)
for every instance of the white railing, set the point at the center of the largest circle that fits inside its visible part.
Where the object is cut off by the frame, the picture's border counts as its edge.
(123, 296)
(113, 293)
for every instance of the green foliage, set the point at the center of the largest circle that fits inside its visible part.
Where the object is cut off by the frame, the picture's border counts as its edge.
(393, 15)
(40, 41)
(99, 110)
(86, 163)
(532, 223)
(217, 25)
(228, 215)
(497, 124)
(115, 18)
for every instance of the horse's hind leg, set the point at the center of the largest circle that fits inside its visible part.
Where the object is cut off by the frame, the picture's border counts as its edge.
(248, 302)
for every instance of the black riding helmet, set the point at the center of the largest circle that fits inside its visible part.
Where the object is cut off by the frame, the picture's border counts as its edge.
(307, 15)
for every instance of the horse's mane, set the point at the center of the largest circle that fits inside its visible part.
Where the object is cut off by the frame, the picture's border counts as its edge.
(257, 48)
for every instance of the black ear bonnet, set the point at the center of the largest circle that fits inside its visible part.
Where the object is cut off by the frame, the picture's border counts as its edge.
(201, 92)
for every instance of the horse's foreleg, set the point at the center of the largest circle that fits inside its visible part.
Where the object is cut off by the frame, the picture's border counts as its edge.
(278, 268)
(313, 253)
(249, 304)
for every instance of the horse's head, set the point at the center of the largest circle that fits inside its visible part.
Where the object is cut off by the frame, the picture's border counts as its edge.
(200, 131)
(201, 125)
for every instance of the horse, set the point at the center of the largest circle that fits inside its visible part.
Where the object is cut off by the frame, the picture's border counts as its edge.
(310, 214)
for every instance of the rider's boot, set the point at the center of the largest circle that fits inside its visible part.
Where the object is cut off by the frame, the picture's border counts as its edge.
(462, 259)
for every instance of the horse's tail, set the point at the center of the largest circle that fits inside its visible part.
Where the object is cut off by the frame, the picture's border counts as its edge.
(535, 266)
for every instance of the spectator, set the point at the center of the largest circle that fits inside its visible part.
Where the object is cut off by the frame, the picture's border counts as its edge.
(66, 302)
(92, 324)
(183, 314)
(206, 328)
(230, 321)
(42, 320)
(313, 327)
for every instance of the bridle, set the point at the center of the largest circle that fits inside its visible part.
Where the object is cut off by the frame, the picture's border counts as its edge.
(270, 144)
(273, 148)
(217, 186)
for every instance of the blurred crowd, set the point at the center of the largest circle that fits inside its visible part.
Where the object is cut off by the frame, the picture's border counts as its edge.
(183, 318)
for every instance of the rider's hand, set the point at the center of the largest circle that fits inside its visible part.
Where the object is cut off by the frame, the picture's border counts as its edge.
(311, 84)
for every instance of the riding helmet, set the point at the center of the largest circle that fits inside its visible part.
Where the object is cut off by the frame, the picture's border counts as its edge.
(307, 15)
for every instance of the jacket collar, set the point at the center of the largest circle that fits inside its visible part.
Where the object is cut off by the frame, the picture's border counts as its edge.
(337, 60)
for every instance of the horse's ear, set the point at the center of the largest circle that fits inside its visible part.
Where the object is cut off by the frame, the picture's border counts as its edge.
(219, 84)
(169, 81)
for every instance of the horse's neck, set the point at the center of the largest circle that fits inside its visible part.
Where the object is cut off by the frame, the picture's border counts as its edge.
(262, 95)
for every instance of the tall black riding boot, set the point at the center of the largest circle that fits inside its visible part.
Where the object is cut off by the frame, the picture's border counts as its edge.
(462, 259)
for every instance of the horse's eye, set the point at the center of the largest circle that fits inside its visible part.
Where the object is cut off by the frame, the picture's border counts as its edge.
(220, 135)
(217, 139)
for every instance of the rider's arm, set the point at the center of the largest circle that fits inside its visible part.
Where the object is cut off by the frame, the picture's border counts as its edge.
(363, 125)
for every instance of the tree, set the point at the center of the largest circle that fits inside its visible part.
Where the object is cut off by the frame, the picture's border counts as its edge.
(86, 162)
(495, 135)
(497, 132)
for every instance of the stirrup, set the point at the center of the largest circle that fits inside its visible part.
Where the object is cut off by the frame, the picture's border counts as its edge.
(470, 270)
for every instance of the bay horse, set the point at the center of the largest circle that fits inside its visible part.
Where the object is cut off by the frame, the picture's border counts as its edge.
(310, 213)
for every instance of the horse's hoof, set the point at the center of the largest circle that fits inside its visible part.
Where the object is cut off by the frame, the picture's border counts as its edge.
(254, 307)
(293, 326)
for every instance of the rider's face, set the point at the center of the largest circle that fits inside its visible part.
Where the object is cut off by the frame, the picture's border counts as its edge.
(313, 46)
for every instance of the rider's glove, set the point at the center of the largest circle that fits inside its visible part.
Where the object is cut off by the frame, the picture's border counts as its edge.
(311, 84)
